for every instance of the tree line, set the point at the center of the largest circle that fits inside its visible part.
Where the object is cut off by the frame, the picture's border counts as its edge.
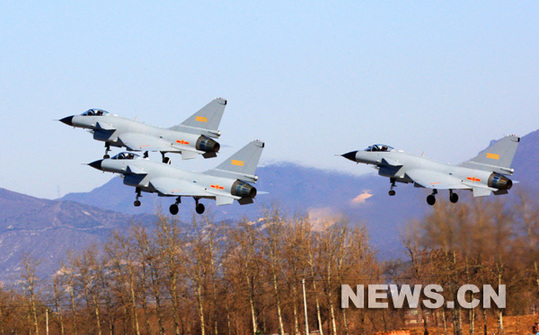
(277, 275)
(480, 242)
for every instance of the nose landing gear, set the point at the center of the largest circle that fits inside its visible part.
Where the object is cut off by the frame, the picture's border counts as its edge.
(137, 202)
(391, 191)
(107, 149)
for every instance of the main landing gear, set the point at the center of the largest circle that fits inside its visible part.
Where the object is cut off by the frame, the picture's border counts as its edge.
(431, 199)
(199, 208)
(165, 159)
(453, 197)
(391, 191)
(137, 202)
(174, 207)
(107, 149)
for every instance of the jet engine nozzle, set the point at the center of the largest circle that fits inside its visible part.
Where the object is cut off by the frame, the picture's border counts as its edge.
(242, 189)
(500, 182)
(351, 155)
(207, 144)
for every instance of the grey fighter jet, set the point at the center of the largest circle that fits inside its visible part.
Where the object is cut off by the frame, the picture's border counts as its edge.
(482, 175)
(190, 138)
(227, 182)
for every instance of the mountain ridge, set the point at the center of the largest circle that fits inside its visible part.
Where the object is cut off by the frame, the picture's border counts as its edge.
(48, 229)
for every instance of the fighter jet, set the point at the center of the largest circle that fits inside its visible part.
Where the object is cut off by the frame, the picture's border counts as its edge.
(482, 175)
(190, 138)
(227, 182)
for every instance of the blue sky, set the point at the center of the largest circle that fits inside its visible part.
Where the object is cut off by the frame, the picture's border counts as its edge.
(310, 78)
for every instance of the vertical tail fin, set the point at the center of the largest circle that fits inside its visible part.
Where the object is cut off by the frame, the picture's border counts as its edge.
(242, 164)
(497, 157)
(206, 121)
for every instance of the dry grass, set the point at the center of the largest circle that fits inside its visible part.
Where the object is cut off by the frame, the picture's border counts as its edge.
(517, 325)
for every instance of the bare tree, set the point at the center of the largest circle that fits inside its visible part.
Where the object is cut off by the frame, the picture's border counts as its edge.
(123, 259)
(29, 278)
(88, 267)
(58, 289)
(272, 249)
(526, 212)
(243, 261)
(171, 247)
(151, 261)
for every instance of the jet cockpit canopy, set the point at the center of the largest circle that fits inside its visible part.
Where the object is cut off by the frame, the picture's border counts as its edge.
(379, 147)
(125, 155)
(95, 112)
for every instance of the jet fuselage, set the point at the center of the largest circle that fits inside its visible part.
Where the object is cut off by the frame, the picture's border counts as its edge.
(396, 164)
(139, 172)
(110, 128)
(410, 161)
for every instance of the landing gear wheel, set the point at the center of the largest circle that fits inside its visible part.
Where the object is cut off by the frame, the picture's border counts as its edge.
(453, 197)
(174, 209)
(106, 156)
(392, 192)
(137, 203)
(199, 208)
(431, 200)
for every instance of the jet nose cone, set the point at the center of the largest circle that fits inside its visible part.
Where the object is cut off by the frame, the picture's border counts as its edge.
(351, 155)
(96, 164)
(67, 120)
